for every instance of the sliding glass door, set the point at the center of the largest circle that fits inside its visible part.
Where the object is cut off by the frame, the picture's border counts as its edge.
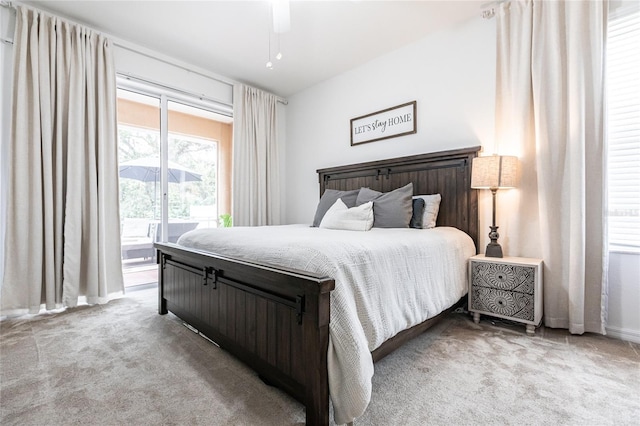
(174, 175)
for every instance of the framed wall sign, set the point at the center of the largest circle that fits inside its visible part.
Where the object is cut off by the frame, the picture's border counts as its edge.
(389, 123)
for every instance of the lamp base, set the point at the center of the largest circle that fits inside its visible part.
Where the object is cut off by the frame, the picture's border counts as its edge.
(493, 248)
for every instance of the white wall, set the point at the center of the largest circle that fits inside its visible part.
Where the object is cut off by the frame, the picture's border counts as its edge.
(624, 296)
(451, 74)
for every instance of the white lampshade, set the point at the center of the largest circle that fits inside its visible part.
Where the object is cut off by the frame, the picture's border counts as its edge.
(495, 171)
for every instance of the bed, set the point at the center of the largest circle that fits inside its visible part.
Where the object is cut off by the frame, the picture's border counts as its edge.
(276, 318)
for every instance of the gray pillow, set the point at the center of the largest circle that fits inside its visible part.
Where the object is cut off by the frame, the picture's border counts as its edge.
(329, 198)
(365, 195)
(390, 209)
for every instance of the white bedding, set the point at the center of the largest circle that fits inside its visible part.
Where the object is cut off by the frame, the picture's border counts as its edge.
(387, 280)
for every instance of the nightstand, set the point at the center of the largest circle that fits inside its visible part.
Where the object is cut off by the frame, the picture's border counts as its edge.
(506, 287)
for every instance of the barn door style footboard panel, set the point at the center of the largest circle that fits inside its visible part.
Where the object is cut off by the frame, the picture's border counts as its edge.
(275, 320)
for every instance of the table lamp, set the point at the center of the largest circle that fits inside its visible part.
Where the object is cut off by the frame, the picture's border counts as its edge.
(494, 172)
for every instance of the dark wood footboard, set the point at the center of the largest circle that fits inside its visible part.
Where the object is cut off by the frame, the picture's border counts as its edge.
(275, 320)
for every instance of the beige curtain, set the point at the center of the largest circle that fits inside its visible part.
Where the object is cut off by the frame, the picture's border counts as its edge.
(256, 193)
(62, 225)
(549, 111)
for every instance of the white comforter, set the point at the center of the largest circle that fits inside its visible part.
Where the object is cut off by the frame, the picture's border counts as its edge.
(387, 280)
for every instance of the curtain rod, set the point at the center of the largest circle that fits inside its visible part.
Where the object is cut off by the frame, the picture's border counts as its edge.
(139, 79)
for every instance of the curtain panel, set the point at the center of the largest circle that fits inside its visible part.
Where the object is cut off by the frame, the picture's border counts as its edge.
(62, 223)
(550, 112)
(256, 185)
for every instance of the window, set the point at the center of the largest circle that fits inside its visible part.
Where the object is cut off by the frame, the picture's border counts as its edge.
(623, 126)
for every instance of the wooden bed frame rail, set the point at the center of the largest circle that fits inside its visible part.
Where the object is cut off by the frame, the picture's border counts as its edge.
(276, 320)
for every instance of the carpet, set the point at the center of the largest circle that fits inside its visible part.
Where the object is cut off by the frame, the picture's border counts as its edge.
(123, 364)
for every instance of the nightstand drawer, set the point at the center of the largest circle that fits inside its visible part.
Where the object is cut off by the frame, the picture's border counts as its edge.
(502, 276)
(501, 302)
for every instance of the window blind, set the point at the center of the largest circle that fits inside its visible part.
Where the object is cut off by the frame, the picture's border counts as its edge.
(623, 126)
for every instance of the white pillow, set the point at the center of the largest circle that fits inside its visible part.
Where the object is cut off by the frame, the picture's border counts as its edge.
(339, 216)
(431, 208)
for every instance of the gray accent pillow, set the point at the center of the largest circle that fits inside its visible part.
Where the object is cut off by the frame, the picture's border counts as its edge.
(365, 195)
(329, 198)
(390, 209)
(417, 213)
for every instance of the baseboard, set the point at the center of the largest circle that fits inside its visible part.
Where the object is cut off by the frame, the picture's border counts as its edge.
(624, 334)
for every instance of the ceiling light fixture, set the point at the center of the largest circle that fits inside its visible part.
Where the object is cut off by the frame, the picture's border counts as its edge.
(279, 55)
(280, 18)
(269, 63)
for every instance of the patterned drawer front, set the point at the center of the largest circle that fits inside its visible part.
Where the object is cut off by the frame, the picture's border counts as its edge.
(511, 304)
(504, 277)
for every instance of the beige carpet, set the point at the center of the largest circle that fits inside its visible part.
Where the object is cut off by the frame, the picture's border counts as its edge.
(122, 364)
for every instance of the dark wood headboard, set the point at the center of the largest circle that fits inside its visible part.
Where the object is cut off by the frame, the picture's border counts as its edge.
(447, 173)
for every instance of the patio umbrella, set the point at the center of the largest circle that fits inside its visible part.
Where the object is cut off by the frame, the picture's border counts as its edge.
(147, 169)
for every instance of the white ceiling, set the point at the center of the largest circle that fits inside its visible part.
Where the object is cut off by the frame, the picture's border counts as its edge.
(230, 38)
